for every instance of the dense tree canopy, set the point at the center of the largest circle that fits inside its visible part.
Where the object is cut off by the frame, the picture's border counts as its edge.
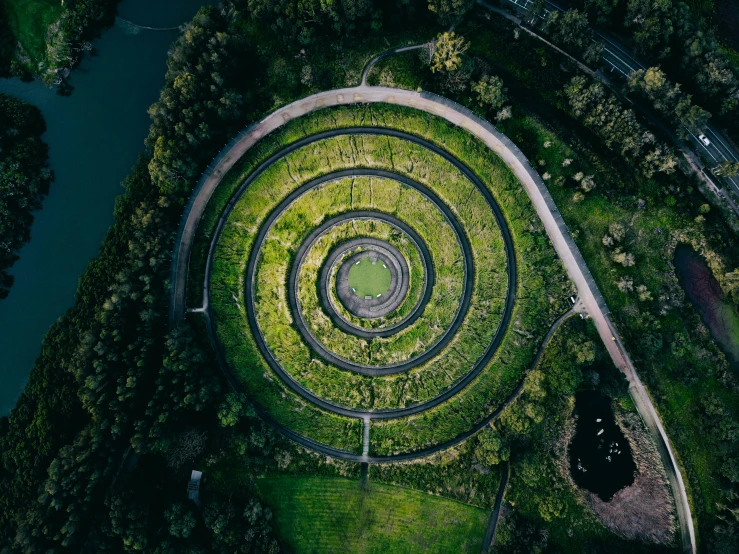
(24, 178)
(618, 126)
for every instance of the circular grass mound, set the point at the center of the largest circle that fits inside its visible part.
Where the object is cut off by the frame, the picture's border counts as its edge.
(370, 276)
(421, 370)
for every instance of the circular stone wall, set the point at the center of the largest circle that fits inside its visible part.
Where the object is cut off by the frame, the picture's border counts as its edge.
(281, 308)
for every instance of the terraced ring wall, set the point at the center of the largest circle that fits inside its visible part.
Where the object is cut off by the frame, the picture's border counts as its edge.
(470, 277)
(369, 307)
(329, 277)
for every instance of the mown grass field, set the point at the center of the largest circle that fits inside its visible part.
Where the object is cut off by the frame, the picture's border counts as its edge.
(541, 292)
(335, 515)
(29, 21)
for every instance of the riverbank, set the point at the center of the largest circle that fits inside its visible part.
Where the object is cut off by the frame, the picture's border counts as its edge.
(94, 138)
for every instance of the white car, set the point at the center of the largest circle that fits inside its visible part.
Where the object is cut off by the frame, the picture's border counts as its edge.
(704, 140)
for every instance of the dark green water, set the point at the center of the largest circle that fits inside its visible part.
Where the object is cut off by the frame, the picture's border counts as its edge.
(94, 137)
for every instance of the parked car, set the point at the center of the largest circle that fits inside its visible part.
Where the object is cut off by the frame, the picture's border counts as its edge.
(704, 140)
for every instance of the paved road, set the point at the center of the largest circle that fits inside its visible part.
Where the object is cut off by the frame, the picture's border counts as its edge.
(533, 185)
(489, 539)
(622, 62)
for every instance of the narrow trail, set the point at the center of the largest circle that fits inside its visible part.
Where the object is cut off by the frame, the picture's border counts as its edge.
(377, 58)
(489, 539)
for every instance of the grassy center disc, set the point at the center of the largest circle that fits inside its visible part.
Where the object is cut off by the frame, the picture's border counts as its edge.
(369, 277)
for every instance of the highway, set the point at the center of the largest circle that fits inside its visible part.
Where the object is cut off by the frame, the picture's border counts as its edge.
(620, 61)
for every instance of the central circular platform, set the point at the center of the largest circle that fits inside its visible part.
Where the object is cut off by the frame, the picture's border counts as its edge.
(369, 277)
(378, 257)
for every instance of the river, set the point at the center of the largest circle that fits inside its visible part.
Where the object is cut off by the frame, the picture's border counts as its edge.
(94, 138)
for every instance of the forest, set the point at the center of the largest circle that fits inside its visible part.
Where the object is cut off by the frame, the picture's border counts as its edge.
(48, 39)
(24, 178)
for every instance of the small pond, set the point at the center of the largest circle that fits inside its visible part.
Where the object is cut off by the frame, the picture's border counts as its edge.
(600, 455)
(704, 292)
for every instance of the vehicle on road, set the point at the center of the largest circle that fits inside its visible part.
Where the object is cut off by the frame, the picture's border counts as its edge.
(704, 140)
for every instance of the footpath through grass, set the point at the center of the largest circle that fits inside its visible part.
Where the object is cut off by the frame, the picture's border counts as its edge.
(320, 514)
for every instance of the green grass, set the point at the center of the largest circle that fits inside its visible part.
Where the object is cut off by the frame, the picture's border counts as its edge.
(29, 21)
(296, 223)
(368, 278)
(337, 197)
(322, 514)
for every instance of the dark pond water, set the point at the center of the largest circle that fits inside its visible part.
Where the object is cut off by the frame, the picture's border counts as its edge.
(600, 455)
(94, 137)
(704, 292)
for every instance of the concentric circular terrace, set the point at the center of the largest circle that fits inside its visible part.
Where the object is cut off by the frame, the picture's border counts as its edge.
(271, 285)
(283, 332)
(426, 195)
(410, 438)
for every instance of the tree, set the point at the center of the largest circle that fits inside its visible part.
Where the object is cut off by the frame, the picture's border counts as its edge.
(537, 11)
(490, 448)
(448, 52)
(180, 520)
(450, 11)
(490, 92)
(653, 25)
(601, 9)
(730, 469)
(668, 99)
(569, 28)
(24, 178)
(618, 126)
(731, 284)
(728, 168)
(232, 409)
